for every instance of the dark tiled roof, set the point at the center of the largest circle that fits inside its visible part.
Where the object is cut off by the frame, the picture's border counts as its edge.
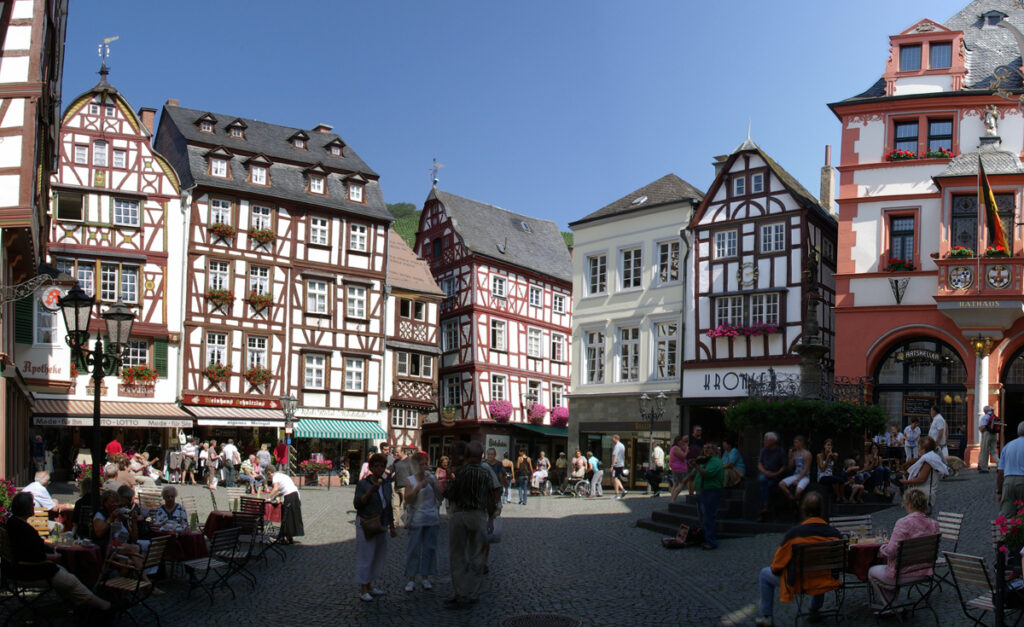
(806, 198)
(666, 190)
(499, 234)
(996, 162)
(186, 148)
(406, 270)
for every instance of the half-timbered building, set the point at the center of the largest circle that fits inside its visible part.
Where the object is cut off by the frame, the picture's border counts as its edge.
(411, 359)
(756, 233)
(286, 236)
(114, 226)
(505, 323)
(31, 63)
(628, 299)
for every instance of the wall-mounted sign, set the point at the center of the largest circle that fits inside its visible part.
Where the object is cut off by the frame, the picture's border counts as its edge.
(498, 442)
(229, 401)
(321, 412)
(918, 405)
(719, 382)
(49, 297)
(127, 423)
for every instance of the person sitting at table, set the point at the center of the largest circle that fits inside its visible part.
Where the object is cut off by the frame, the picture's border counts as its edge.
(778, 575)
(35, 560)
(170, 511)
(41, 496)
(291, 509)
(927, 471)
(124, 475)
(139, 467)
(915, 524)
(252, 474)
(80, 517)
(110, 482)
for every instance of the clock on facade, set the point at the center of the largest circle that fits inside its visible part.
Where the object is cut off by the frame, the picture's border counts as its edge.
(960, 277)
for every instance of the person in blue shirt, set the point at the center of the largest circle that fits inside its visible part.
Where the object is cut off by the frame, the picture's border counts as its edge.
(595, 480)
(1010, 474)
(733, 464)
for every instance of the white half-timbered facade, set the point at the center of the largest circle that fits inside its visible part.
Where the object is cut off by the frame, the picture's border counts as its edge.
(506, 317)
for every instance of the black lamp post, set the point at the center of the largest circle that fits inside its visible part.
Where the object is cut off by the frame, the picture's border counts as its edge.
(76, 306)
(652, 410)
(288, 405)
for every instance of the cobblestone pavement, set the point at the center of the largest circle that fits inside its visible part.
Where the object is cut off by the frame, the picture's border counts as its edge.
(579, 557)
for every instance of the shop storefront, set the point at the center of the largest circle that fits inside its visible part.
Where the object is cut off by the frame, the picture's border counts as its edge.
(502, 437)
(345, 442)
(635, 436)
(249, 428)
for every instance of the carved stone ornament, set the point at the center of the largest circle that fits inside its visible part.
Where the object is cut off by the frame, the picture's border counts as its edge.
(960, 277)
(998, 276)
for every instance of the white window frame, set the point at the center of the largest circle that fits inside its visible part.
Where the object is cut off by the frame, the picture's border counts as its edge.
(81, 154)
(558, 304)
(398, 417)
(402, 363)
(631, 268)
(597, 274)
(757, 183)
(668, 255)
(764, 308)
(46, 328)
(357, 237)
(119, 158)
(499, 383)
(86, 275)
(355, 192)
(355, 302)
(219, 167)
(109, 111)
(453, 391)
(108, 282)
(260, 217)
(628, 370)
(499, 335)
(314, 369)
(557, 347)
(129, 284)
(726, 244)
(499, 286)
(449, 336)
(218, 275)
(258, 174)
(256, 352)
(220, 211)
(136, 353)
(355, 370)
(536, 296)
(593, 356)
(412, 418)
(94, 108)
(100, 149)
(236, 131)
(206, 126)
(319, 231)
(534, 339)
(557, 395)
(216, 348)
(317, 293)
(534, 391)
(259, 279)
(773, 237)
(728, 310)
(316, 184)
(739, 186)
(665, 335)
(126, 212)
(450, 286)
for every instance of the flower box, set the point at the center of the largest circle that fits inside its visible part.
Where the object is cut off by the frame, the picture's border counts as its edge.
(751, 330)
(901, 155)
(559, 416)
(221, 231)
(220, 298)
(139, 375)
(941, 153)
(501, 411)
(257, 375)
(315, 467)
(961, 252)
(899, 265)
(996, 251)
(218, 373)
(262, 236)
(259, 302)
(536, 413)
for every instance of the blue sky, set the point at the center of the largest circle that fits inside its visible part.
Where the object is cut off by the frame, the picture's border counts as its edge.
(550, 109)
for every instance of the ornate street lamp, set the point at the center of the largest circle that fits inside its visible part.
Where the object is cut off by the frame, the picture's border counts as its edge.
(652, 410)
(288, 405)
(77, 306)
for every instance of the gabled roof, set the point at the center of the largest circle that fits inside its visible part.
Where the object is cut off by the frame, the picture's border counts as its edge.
(667, 190)
(499, 234)
(406, 270)
(996, 162)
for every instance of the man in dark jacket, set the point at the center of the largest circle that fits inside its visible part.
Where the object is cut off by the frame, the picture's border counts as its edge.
(473, 496)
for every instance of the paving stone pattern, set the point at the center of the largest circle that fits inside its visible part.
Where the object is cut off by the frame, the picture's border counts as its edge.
(580, 557)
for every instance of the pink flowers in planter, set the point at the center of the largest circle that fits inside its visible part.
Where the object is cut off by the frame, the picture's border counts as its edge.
(500, 411)
(751, 330)
(536, 413)
(559, 416)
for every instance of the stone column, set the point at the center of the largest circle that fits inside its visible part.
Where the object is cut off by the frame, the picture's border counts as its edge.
(982, 348)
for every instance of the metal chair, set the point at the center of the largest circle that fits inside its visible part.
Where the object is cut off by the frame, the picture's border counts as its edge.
(851, 525)
(135, 588)
(914, 552)
(950, 524)
(817, 560)
(265, 540)
(192, 509)
(239, 556)
(26, 592)
(234, 496)
(199, 570)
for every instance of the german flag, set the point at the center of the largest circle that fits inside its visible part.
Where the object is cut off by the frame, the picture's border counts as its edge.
(987, 199)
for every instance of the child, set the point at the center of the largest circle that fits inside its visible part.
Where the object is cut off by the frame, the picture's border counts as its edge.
(855, 482)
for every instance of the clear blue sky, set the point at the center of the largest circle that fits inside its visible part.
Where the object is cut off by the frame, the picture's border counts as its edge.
(550, 109)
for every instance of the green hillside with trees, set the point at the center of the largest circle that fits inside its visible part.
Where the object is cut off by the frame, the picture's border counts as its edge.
(407, 222)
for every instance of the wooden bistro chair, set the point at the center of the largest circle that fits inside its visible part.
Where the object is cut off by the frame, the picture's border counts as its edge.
(970, 577)
(40, 521)
(950, 524)
(202, 571)
(133, 588)
(25, 592)
(913, 552)
(817, 560)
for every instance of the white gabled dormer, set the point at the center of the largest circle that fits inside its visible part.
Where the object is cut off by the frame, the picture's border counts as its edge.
(925, 58)
(206, 123)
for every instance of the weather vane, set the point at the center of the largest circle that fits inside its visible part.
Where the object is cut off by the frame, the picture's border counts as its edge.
(434, 170)
(104, 52)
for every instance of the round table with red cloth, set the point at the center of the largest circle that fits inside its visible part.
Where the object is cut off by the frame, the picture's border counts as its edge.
(218, 520)
(272, 512)
(84, 562)
(861, 558)
(65, 516)
(184, 546)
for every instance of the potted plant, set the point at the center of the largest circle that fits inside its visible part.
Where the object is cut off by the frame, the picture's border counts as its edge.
(262, 236)
(934, 255)
(223, 232)
(7, 492)
(220, 298)
(501, 411)
(313, 467)
(996, 251)
(257, 375)
(901, 155)
(536, 413)
(958, 252)
(82, 473)
(259, 302)
(899, 265)
(559, 416)
(218, 373)
(939, 153)
(1011, 529)
(139, 375)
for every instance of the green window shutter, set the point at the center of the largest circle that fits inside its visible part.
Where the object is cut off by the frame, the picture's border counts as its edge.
(160, 357)
(23, 320)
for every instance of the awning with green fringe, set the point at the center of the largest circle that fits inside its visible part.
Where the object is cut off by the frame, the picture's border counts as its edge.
(339, 429)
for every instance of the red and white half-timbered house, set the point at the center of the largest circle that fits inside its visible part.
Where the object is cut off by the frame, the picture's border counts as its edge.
(286, 236)
(753, 236)
(506, 323)
(115, 227)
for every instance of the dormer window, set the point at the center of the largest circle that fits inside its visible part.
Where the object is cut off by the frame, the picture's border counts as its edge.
(299, 143)
(258, 174)
(206, 126)
(910, 57)
(236, 132)
(218, 167)
(316, 184)
(336, 150)
(940, 55)
(355, 192)
(991, 19)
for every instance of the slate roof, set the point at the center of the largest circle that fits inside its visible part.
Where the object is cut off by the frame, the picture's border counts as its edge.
(985, 49)
(667, 190)
(179, 139)
(497, 233)
(406, 270)
(996, 162)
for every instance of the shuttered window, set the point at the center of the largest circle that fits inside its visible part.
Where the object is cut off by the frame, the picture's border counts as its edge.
(160, 357)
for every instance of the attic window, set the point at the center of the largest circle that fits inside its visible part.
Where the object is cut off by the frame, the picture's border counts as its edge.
(206, 127)
(236, 131)
(299, 143)
(992, 19)
(336, 150)
(526, 227)
(639, 201)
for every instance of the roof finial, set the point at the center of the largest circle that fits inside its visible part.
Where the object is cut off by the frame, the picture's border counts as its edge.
(433, 171)
(104, 52)
(748, 128)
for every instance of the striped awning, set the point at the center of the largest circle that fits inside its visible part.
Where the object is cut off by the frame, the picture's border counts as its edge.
(208, 416)
(339, 429)
(49, 412)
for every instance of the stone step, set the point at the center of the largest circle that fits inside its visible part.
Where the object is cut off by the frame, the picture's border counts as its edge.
(669, 530)
(734, 526)
(727, 508)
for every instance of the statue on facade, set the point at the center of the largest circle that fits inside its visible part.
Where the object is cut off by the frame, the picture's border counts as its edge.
(991, 121)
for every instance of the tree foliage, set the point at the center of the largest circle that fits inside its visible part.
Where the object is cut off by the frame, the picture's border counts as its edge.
(402, 209)
(816, 419)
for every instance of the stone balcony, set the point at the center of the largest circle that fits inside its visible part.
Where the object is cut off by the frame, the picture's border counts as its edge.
(980, 292)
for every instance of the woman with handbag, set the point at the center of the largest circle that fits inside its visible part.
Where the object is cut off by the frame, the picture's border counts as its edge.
(422, 496)
(373, 516)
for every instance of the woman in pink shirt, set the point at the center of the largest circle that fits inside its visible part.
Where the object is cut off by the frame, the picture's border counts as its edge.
(915, 524)
(677, 464)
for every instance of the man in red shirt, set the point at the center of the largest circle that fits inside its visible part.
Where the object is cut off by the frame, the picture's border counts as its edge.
(281, 455)
(113, 448)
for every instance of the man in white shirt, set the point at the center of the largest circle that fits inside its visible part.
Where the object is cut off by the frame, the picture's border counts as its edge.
(231, 460)
(656, 468)
(188, 461)
(989, 427)
(40, 495)
(938, 432)
(911, 434)
(618, 467)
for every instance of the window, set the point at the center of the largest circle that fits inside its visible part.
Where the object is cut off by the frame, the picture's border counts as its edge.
(940, 135)
(130, 284)
(668, 261)
(725, 244)
(629, 354)
(46, 325)
(739, 186)
(557, 395)
(557, 347)
(219, 167)
(357, 237)
(206, 127)
(594, 344)
(498, 335)
(120, 158)
(260, 217)
(632, 267)
(86, 278)
(940, 55)
(136, 353)
(81, 154)
(69, 206)
(414, 364)
(258, 173)
(558, 304)
(450, 335)
(220, 275)
(108, 282)
(356, 306)
(397, 417)
(412, 418)
(729, 310)
(108, 111)
(449, 286)
(498, 286)
(764, 308)
(666, 351)
(236, 131)
(452, 391)
(259, 279)
(99, 153)
(533, 339)
(536, 296)
(94, 109)
(318, 231)
(316, 184)
(353, 374)
(313, 373)
(497, 387)
(299, 143)
(906, 136)
(355, 192)
(597, 273)
(405, 308)
(901, 237)
(256, 352)
(910, 57)
(220, 211)
(773, 237)
(436, 249)
(336, 150)
(316, 296)
(216, 349)
(126, 212)
(419, 311)
(756, 183)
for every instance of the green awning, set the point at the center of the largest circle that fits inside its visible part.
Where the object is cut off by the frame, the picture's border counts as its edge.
(339, 429)
(557, 432)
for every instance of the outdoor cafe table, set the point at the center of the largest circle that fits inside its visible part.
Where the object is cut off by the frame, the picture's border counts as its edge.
(185, 545)
(218, 520)
(84, 562)
(272, 512)
(862, 557)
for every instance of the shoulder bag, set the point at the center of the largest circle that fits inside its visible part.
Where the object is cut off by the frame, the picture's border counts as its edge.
(371, 525)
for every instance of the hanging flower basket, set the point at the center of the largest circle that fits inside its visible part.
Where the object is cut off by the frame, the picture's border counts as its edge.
(221, 231)
(501, 411)
(259, 302)
(559, 416)
(257, 375)
(218, 373)
(220, 298)
(960, 252)
(7, 492)
(899, 265)
(901, 155)
(996, 251)
(139, 375)
(263, 236)
(536, 413)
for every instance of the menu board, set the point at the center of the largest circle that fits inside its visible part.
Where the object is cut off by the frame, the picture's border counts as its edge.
(917, 405)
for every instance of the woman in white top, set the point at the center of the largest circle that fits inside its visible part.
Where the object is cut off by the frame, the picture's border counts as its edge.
(291, 509)
(927, 471)
(422, 497)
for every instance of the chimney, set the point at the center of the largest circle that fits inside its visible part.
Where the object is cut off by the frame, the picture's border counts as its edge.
(322, 128)
(147, 116)
(172, 102)
(828, 182)
(719, 163)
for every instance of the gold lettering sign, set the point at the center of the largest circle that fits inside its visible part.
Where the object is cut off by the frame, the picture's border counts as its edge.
(977, 304)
